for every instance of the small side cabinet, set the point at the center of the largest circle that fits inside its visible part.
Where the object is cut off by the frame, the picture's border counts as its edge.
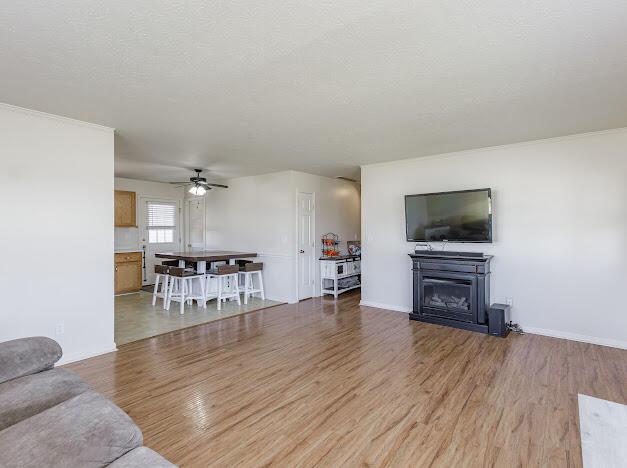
(128, 272)
(125, 209)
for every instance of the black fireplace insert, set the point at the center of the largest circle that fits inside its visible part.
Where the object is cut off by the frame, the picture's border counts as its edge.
(448, 297)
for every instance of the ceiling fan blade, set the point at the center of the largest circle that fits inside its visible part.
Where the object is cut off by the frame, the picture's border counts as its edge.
(179, 183)
(218, 185)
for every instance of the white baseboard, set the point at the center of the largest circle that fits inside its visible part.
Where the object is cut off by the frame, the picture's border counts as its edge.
(532, 330)
(277, 299)
(82, 356)
(385, 306)
(575, 337)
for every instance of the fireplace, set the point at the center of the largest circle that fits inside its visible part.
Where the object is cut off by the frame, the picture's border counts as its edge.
(447, 297)
(452, 289)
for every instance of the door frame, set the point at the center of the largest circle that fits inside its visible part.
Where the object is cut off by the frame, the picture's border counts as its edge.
(141, 226)
(187, 218)
(314, 264)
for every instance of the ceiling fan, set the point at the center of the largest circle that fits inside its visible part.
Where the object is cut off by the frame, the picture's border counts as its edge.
(199, 185)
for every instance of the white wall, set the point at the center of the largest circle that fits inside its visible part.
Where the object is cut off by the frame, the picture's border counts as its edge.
(127, 237)
(56, 191)
(560, 226)
(258, 214)
(255, 214)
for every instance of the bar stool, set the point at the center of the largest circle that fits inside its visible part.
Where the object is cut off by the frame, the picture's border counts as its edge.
(224, 273)
(184, 281)
(248, 271)
(161, 270)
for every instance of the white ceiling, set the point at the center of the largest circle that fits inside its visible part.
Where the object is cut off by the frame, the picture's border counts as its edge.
(246, 87)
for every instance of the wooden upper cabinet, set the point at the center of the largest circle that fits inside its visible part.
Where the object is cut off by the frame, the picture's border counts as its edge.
(125, 209)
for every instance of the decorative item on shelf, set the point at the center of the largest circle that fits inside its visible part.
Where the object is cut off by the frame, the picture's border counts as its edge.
(330, 245)
(354, 247)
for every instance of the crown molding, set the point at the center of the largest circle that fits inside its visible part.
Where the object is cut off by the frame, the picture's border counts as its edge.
(485, 149)
(37, 113)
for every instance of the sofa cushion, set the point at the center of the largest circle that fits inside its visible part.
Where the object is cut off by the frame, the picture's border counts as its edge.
(141, 457)
(26, 396)
(27, 356)
(85, 431)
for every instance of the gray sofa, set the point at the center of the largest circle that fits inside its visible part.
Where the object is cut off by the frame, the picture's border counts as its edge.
(50, 417)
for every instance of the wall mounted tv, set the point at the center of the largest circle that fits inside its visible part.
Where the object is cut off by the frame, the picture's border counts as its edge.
(463, 216)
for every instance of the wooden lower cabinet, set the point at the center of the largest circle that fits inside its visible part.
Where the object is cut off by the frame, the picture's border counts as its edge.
(128, 272)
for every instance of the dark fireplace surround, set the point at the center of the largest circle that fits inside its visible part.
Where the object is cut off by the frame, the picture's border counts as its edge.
(451, 288)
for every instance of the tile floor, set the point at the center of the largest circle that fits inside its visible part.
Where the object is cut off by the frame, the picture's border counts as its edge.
(136, 318)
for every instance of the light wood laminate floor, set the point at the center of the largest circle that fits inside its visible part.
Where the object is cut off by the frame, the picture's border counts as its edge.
(325, 383)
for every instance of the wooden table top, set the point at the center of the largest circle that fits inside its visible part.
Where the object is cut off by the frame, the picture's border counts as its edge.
(205, 255)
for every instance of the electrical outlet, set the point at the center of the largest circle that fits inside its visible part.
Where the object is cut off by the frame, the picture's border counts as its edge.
(509, 301)
(60, 328)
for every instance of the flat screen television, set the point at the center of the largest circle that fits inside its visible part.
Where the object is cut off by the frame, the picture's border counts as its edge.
(463, 216)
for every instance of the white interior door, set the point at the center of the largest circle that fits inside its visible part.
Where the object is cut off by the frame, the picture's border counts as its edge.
(195, 224)
(160, 231)
(306, 245)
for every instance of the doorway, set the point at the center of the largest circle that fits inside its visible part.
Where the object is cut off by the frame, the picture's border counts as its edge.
(306, 245)
(195, 224)
(159, 230)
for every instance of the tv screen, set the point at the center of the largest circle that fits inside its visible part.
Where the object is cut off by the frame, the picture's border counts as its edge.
(464, 216)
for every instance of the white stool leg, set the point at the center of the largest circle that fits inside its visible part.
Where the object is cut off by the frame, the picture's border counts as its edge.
(203, 294)
(183, 295)
(263, 291)
(154, 293)
(246, 287)
(207, 284)
(230, 288)
(219, 293)
(171, 290)
(189, 290)
(165, 289)
(236, 285)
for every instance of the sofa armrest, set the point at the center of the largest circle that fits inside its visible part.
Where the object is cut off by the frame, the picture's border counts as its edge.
(140, 458)
(27, 356)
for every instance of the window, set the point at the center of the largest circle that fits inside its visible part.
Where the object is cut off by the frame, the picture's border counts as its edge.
(161, 222)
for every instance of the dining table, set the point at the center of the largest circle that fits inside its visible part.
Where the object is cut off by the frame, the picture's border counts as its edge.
(204, 257)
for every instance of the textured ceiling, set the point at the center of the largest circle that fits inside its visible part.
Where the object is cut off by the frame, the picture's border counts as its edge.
(245, 87)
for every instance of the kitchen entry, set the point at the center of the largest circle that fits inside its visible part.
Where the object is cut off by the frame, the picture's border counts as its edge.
(147, 226)
(159, 231)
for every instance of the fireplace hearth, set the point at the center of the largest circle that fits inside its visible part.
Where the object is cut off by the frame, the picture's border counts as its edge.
(451, 289)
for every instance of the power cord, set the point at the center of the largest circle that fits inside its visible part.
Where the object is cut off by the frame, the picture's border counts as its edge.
(515, 328)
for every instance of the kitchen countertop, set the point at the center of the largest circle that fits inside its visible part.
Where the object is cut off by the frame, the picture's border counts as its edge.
(127, 250)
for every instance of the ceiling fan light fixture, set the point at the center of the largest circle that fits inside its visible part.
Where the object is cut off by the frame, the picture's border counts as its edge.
(197, 190)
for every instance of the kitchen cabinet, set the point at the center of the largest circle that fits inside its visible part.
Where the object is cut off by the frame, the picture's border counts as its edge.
(125, 209)
(128, 272)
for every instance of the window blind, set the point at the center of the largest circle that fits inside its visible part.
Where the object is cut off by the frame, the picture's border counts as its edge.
(161, 215)
(161, 222)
